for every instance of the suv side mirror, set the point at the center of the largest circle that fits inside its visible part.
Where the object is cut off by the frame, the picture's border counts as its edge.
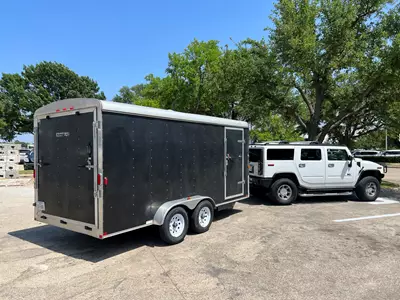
(350, 158)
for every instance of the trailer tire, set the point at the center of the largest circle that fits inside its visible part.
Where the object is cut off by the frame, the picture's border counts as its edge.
(368, 189)
(283, 191)
(175, 226)
(202, 217)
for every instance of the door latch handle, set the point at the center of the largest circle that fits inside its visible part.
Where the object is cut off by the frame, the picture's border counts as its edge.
(89, 165)
(302, 165)
(331, 165)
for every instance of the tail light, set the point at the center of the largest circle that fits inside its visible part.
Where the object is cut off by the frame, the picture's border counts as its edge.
(34, 173)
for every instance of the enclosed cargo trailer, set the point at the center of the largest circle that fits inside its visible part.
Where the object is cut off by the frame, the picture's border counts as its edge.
(104, 168)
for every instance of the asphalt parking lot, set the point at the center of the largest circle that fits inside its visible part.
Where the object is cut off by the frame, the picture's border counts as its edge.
(256, 251)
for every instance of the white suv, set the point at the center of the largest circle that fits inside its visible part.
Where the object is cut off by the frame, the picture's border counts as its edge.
(285, 170)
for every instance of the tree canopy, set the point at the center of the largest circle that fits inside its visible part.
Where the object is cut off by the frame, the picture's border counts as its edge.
(341, 59)
(329, 68)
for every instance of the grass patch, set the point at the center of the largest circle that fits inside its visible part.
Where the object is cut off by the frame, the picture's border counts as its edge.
(30, 172)
(389, 185)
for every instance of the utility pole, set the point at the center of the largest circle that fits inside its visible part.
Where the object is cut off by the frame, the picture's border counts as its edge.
(386, 140)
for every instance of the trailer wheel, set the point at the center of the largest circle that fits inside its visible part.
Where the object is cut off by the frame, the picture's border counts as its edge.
(175, 226)
(202, 217)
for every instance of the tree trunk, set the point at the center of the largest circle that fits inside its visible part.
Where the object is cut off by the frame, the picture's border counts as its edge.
(313, 126)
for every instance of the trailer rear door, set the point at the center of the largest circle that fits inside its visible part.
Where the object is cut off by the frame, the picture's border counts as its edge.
(66, 165)
(234, 162)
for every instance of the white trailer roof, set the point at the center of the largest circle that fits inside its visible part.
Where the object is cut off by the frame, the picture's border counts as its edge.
(130, 109)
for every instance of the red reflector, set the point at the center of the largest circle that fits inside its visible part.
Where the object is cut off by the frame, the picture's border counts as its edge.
(34, 173)
(98, 179)
(102, 235)
(64, 108)
(57, 110)
(105, 181)
(71, 108)
(271, 165)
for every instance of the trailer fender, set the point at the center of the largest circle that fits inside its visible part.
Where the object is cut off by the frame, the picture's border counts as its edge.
(188, 202)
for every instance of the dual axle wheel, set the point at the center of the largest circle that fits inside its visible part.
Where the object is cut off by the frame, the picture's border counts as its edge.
(177, 223)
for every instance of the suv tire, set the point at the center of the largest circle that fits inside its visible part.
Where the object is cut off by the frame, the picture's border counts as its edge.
(283, 191)
(368, 189)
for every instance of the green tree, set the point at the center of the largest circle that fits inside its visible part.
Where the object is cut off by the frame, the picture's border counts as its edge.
(188, 75)
(273, 127)
(340, 59)
(137, 95)
(38, 85)
(130, 94)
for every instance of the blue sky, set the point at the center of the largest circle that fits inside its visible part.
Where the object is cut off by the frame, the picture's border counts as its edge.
(119, 42)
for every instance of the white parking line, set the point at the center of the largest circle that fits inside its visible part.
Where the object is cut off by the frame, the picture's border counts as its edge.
(382, 200)
(367, 218)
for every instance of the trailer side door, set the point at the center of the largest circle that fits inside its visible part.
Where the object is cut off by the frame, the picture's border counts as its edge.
(234, 162)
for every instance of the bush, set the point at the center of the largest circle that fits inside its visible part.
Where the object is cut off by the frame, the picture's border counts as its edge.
(382, 159)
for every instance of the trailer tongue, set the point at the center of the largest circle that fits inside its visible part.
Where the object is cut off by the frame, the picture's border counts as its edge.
(65, 174)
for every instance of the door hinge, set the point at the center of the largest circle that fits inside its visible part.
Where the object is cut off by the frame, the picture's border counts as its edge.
(97, 194)
(97, 124)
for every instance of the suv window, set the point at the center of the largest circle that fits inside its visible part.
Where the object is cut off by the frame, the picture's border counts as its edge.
(392, 152)
(311, 154)
(280, 154)
(255, 155)
(337, 154)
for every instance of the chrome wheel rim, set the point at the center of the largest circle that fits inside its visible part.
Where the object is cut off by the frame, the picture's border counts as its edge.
(204, 216)
(371, 189)
(176, 225)
(285, 192)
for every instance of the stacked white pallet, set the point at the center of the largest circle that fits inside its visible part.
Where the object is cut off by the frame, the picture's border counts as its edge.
(9, 159)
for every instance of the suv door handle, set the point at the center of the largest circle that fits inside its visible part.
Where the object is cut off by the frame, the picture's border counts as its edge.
(331, 165)
(302, 165)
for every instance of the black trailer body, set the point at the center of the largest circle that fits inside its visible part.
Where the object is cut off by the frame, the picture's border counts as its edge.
(104, 168)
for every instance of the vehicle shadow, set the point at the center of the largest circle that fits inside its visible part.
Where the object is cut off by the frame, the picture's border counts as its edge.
(220, 215)
(325, 199)
(390, 193)
(255, 200)
(85, 247)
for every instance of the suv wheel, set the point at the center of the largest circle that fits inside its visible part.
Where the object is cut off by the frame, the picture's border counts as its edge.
(368, 189)
(283, 191)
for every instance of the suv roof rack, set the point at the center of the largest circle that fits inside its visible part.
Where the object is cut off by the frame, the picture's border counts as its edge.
(305, 143)
(271, 143)
(287, 143)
